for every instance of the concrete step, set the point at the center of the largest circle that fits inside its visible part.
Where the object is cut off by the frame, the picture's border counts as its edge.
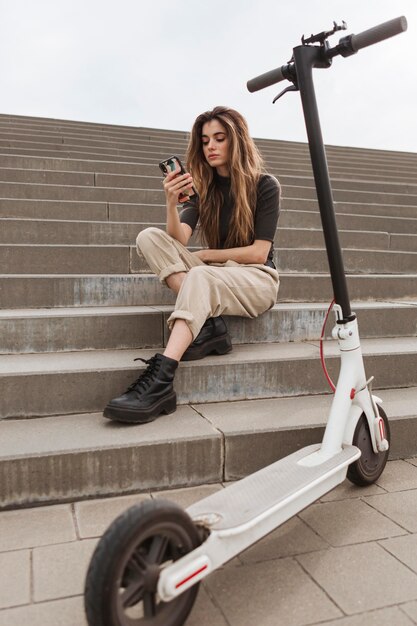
(10, 121)
(34, 259)
(132, 143)
(126, 181)
(290, 218)
(67, 209)
(295, 259)
(153, 134)
(362, 261)
(99, 328)
(131, 137)
(376, 208)
(115, 259)
(156, 195)
(62, 151)
(278, 168)
(96, 141)
(66, 232)
(12, 161)
(34, 385)
(55, 459)
(48, 290)
(304, 213)
(47, 177)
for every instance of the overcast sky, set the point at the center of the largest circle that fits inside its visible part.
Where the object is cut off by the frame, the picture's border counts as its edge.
(159, 63)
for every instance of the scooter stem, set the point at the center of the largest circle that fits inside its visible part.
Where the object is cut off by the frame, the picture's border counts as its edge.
(305, 58)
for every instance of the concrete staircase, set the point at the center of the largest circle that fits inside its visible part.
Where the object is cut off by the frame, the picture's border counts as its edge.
(78, 305)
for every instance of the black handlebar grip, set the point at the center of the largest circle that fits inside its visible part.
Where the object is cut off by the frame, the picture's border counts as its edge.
(378, 33)
(265, 80)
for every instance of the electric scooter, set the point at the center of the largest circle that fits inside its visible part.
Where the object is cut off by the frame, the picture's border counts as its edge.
(146, 568)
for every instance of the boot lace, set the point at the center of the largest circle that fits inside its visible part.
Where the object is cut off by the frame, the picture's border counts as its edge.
(146, 378)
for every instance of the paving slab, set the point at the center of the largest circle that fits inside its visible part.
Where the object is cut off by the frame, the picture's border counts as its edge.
(273, 584)
(410, 609)
(392, 616)
(293, 537)
(363, 585)
(15, 587)
(349, 490)
(346, 522)
(343, 573)
(59, 570)
(404, 549)
(92, 517)
(399, 506)
(399, 475)
(66, 612)
(206, 612)
(47, 526)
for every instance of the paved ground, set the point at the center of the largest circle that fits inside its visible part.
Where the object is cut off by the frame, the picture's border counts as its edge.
(348, 560)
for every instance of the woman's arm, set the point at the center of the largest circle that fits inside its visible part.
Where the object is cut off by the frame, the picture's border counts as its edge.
(257, 252)
(173, 186)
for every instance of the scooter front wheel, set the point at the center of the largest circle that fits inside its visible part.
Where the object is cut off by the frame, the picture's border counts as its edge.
(370, 465)
(121, 583)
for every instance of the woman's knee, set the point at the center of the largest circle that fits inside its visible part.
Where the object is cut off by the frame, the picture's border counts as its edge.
(149, 236)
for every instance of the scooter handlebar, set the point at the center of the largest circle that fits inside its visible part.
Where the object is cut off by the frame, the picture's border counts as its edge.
(378, 33)
(266, 79)
(348, 45)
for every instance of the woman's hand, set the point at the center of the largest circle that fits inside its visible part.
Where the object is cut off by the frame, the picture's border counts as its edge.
(255, 253)
(175, 186)
(203, 255)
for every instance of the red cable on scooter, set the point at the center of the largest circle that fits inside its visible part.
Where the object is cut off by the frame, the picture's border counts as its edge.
(323, 363)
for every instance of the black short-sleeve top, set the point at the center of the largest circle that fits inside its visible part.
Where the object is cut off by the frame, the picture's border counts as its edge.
(266, 210)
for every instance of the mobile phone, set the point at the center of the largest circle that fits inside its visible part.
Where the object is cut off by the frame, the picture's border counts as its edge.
(173, 164)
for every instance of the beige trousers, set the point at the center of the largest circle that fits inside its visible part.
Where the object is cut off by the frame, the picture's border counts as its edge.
(208, 290)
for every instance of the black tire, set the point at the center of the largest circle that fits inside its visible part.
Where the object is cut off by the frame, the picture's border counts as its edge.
(369, 467)
(120, 588)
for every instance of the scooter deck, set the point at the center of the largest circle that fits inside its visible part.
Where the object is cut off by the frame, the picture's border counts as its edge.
(271, 486)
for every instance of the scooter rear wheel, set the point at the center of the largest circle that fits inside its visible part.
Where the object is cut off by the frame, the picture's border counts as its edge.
(121, 583)
(369, 467)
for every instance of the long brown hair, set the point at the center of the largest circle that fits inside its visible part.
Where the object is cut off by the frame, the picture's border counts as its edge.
(245, 165)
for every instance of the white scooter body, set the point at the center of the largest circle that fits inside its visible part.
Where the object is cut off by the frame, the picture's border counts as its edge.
(241, 514)
(236, 517)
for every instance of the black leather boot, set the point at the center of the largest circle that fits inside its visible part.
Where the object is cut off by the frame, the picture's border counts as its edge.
(212, 338)
(149, 396)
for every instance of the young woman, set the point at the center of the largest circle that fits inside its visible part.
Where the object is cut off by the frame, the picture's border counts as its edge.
(237, 210)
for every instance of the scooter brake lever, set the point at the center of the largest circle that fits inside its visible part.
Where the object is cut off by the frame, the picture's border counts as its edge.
(290, 88)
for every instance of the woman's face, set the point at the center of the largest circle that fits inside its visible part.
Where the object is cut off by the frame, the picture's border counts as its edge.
(216, 146)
